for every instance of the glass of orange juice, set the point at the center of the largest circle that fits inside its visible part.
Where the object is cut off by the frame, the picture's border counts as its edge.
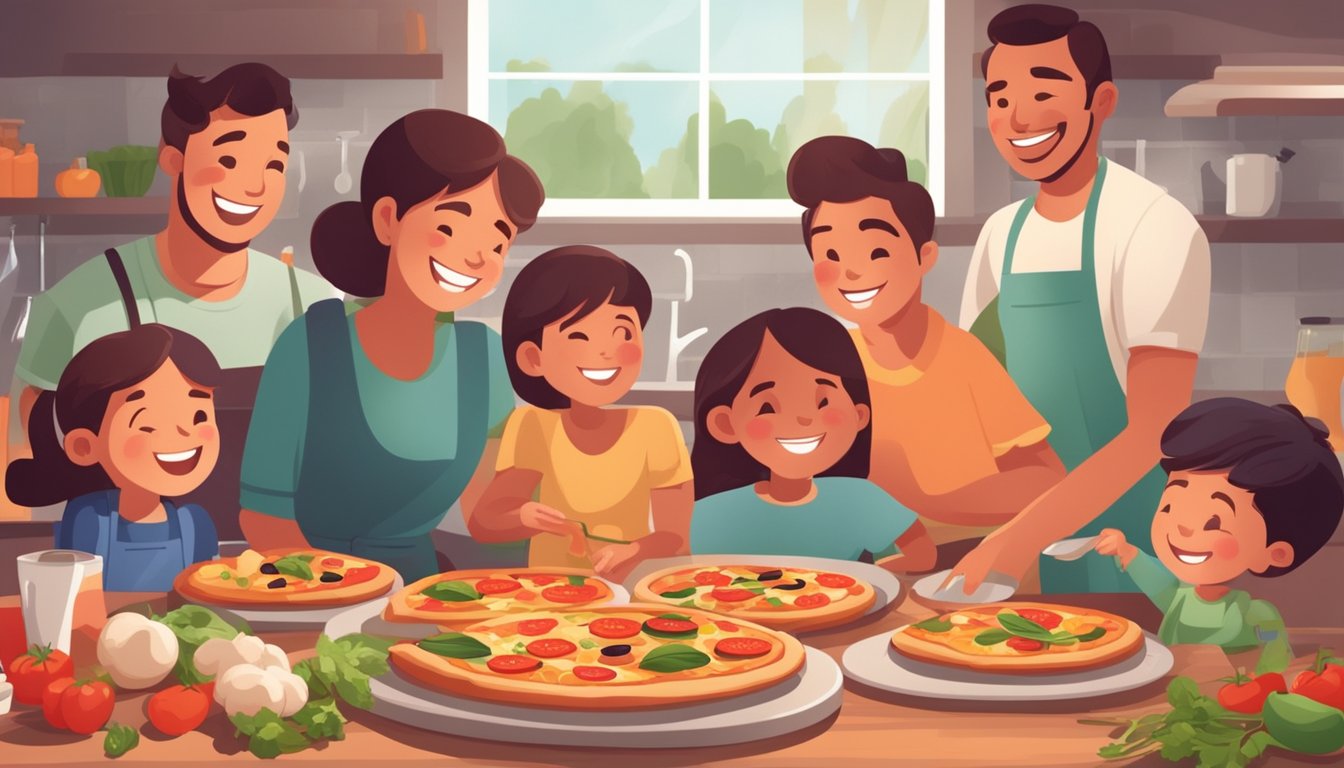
(1317, 373)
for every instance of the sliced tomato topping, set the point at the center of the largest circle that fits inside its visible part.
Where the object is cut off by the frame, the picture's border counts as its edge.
(357, 575)
(551, 648)
(672, 626)
(744, 647)
(434, 605)
(727, 626)
(713, 578)
(525, 595)
(513, 664)
(1047, 619)
(534, 627)
(1025, 644)
(497, 586)
(595, 674)
(332, 562)
(568, 593)
(542, 579)
(614, 627)
(812, 601)
(732, 595)
(835, 580)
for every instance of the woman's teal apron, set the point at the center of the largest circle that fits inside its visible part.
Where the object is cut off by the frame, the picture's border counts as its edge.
(353, 495)
(1058, 357)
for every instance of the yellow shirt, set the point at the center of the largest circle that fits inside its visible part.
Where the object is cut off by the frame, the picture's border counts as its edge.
(609, 491)
(953, 411)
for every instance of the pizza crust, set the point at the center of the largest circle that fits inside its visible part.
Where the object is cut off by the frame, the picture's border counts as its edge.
(399, 610)
(190, 586)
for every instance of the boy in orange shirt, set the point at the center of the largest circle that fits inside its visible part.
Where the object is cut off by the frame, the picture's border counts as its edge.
(953, 438)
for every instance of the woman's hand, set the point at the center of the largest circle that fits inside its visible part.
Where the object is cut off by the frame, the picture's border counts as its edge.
(615, 561)
(1112, 542)
(544, 519)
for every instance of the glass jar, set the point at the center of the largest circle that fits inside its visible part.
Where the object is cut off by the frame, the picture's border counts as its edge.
(1317, 373)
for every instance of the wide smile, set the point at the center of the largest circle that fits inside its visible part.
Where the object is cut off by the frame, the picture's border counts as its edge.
(1188, 557)
(600, 375)
(862, 299)
(234, 213)
(451, 280)
(180, 463)
(1038, 145)
(800, 446)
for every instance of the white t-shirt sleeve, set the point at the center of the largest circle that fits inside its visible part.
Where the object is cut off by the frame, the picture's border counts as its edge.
(982, 283)
(1163, 285)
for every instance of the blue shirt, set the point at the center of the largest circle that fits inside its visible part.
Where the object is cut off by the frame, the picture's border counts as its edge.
(137, 557)
(845, 517)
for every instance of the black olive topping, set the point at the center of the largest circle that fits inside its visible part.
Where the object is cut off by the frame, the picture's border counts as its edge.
(612, 651)
(269, 569)
(330, 576)
(276, 584)
(797, 584)
(770, 575)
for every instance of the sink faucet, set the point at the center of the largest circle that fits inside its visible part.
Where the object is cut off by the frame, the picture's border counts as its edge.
(677, 343)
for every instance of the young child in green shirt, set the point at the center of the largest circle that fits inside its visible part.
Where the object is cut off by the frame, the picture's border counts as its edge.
(1252, 488)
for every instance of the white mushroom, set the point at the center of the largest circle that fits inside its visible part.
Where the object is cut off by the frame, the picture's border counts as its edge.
(247, 689)
(137, 651)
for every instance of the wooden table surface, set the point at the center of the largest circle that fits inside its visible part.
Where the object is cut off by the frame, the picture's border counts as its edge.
(871, 729)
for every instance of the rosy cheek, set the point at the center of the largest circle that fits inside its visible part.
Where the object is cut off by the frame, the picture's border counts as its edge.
(1226, 548)
(136, 447)
(629, 353)
(207, 433)
(208, 177)
(759, 429)
(832, 417)
(826, 272)
(436, 240)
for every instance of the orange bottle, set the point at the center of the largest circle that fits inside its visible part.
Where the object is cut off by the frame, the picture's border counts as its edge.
(6, 172)
(1317, 374)
(25, 172)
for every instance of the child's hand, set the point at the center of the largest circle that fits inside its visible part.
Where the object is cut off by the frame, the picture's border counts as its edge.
(615, 561)
(540, 517)
(1112, 542)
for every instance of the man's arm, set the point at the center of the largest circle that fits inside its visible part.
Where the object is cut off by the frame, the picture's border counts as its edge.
(1024, 474)
(264, 532)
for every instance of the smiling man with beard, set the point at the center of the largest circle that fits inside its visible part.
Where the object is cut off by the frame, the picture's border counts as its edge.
(1100, 283)
(225, 147)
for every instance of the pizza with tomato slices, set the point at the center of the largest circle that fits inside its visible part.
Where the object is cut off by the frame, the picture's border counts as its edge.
(788, 598)
(1022, 638)
(305, 577)
(612, 657)
(456, 597)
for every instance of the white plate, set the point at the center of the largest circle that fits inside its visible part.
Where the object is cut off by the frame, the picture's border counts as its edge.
(1071, 549)
(873, 662)
(884, 582)
(995, 588)
(796, 703)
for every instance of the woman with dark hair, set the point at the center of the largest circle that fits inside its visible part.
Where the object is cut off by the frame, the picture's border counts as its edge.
(579, 477)
(782, 439)
(370, 425)
(137, 413)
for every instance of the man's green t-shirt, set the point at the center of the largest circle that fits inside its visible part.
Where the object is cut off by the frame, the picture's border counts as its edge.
(86, 305)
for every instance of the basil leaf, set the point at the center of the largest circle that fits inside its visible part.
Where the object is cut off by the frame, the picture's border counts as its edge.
(1024, 627)
(293, 566)
(677, 616)
(673, 658)
(775, 601)
(687, 604)
(936, 624)
(679, 593)
(586, 643)
(1096, 633)
(120, 739)
(577, 581)
(455, 645)
(451, 592)
(518, 648)
(306, 558)
(992, 636)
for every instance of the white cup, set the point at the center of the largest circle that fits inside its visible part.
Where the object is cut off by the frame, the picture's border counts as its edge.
(49, 583)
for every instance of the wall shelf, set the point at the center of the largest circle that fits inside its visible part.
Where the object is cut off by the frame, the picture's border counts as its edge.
(302, 66)
(1150, 66)
(82, 206)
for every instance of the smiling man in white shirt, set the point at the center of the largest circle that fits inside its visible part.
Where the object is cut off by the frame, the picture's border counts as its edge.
(1100, 283)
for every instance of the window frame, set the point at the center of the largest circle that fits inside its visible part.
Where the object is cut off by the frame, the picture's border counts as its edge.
(479, 78)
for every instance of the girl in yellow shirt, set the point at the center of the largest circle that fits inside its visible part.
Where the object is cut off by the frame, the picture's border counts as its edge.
(593, 486)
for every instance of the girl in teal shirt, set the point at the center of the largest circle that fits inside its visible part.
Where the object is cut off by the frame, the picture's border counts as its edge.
(782, 435)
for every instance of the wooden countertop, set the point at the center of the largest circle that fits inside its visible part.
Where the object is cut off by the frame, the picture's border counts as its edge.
(871, 729)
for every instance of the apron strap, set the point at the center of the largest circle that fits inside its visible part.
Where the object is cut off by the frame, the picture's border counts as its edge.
(295, 297)
(118, 268)
(186, 525)
(104, 544)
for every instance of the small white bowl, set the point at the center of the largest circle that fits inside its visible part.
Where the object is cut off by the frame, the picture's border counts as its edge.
(995, 588)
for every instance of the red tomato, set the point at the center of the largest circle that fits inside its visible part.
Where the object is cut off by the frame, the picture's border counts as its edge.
(1046, 619)
(357, 575)
(543, 579)
(835, 580)
(512, 664)
(731, 595)
(87, 707)
(179, 709)
(497, 586)
(1247, 694)
(33, 671)
(812, 601)
(614, 627)
(1324, 682)
(551, 648)
(726, 626)
(1025, 644)
(744, 647)
(595, 674)
(568, 593)
(51, 701)
(534, 627)
(671, 626)
(713, 578)
(332, 562)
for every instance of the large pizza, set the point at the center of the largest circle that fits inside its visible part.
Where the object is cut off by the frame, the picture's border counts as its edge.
(301, 577)
(780, 597)
(1021, 638)
(457, 597)
(612, 657)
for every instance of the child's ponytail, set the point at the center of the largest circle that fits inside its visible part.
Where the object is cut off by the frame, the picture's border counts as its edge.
(49, 477)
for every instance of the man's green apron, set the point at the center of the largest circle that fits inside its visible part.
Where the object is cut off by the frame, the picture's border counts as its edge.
(353, 495)
(1058, 357)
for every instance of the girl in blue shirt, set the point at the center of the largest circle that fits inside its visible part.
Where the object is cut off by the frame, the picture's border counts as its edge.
(137, 413)
(782, 435)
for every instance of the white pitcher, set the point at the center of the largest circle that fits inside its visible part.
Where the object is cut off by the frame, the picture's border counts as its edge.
(50, 583)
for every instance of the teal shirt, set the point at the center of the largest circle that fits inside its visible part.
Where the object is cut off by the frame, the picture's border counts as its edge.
(846, 517)
(1234, 621)
(415, 420)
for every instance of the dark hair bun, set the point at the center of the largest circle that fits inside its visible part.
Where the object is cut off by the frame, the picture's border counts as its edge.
(346, 228)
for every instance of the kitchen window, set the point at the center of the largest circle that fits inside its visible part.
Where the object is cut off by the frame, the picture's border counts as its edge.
(611, 101)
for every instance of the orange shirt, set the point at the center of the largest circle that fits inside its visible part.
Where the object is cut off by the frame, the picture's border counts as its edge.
(951, 412)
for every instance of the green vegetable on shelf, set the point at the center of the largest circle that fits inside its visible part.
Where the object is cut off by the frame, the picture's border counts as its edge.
(126, 171)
